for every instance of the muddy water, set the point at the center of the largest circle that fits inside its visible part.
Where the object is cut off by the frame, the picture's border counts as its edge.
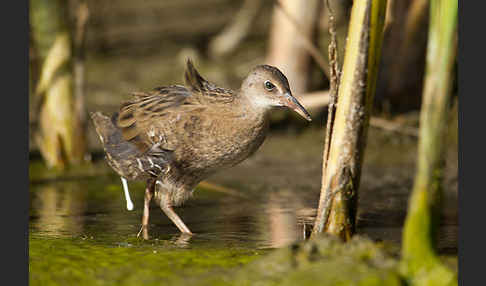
(267, 201)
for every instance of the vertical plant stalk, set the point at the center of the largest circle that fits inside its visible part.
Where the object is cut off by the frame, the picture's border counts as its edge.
(341, 174)
(415, 21)
(232, 35)
(59, 139)
(306, 41)
(55, 139)
(420, 260)
(334, 75)
(82, 15)
(297, 20)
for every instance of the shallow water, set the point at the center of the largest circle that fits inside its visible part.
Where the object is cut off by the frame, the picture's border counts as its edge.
(78, 220)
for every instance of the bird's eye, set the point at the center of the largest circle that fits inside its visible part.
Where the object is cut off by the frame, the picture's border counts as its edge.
(269, 86)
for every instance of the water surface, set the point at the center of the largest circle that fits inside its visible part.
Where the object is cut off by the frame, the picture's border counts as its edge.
(80, 230)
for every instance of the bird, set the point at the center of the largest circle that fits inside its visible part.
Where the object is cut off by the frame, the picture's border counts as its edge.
(175, 136)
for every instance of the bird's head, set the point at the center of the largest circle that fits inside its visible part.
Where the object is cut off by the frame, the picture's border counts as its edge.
(266, 87)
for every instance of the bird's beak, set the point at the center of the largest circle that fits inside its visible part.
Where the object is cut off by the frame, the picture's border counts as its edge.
(293, 104)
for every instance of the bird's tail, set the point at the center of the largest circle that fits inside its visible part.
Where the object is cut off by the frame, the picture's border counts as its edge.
(111, 137)
(104, 127)
(153, 161)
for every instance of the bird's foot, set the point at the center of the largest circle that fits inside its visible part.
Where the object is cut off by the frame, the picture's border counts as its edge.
(144, 232)
(183, 240)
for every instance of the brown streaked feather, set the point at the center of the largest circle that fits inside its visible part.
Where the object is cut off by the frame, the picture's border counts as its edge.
(137, 115)
(126, 158)
(205, 91)
(144, 107)
(193, 79)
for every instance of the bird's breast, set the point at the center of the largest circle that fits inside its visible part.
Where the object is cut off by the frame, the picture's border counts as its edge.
(215, 143)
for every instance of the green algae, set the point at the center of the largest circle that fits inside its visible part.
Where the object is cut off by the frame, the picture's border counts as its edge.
(324, 261)
(87, 261)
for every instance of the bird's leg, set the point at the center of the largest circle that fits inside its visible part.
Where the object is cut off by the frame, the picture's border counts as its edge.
(149, 193)
(166, 207)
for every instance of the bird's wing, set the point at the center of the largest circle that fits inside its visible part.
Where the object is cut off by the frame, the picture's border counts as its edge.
(136, 117)
(150, 118)
(203, 90)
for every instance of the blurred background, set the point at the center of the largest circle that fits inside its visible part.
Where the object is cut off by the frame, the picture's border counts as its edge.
(123, 46)
(88, 55)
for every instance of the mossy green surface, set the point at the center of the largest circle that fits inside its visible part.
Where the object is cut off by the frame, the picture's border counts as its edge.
(325, 261)
(84, 261)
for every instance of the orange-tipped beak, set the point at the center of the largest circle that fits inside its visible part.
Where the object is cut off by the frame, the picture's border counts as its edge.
(293, 104)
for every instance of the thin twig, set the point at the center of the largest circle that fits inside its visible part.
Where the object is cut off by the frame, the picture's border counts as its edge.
(319, 99)
(82, 16)
(315, 99)
(395, 127)
(227, 40)
(323, 213)
(221, 189)
(334, 86)
(307, 43)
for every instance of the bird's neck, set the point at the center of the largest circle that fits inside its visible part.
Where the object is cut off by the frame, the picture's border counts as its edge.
(252, 107)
